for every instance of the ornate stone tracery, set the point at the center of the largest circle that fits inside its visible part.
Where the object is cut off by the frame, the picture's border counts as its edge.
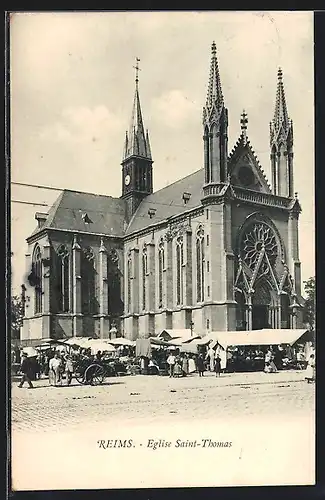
(257, 238)
(88, 253)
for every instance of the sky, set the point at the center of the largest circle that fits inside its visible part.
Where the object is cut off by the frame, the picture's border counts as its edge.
(72, 87)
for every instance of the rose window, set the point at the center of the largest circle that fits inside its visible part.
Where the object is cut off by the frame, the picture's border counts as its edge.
(258, 237)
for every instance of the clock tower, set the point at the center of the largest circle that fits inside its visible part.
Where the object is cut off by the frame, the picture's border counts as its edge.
(137, 160)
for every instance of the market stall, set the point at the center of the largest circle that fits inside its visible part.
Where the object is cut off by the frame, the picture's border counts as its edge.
(245, 350)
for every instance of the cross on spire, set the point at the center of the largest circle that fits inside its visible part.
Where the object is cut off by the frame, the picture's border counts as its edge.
(243, 124)
(137, 69)
(243, 120)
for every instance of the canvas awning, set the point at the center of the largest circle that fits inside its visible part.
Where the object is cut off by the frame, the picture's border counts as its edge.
(271, 336)
(121, 341)
(158, 342)
(185, 334)
(78, 341)
(99, 345)
(211, 336)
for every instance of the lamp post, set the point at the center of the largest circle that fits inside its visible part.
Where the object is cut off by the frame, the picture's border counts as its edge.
(191, 326)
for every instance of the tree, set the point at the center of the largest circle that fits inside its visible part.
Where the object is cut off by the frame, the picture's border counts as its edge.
(17, 314)
(309, 310)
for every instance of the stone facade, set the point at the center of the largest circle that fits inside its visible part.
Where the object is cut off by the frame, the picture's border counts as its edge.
(217, 250)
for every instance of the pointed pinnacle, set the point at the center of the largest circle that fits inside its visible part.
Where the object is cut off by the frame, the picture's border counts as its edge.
(214, 95)
(280, 112)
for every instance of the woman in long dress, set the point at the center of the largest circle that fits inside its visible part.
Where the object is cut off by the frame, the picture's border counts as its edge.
(191, 365)
(178, 367)
(211, 356)
(310, 370)
(217, 365)
(185, 365)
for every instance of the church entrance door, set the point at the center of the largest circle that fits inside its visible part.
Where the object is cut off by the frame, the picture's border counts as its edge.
(260, 315)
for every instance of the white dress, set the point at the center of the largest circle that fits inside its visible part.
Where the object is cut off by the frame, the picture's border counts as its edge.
(191, 366)
(310, 370)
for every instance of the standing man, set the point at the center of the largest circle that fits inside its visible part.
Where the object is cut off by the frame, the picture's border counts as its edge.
(200, 365)
(211, 356)
(27, 371)
(68, 369)
(171, 360)
(54, 370)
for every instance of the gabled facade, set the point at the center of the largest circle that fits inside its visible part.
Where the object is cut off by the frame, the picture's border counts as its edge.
(216, 250)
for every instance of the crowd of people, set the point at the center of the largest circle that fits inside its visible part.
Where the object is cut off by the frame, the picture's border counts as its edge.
(59, 365)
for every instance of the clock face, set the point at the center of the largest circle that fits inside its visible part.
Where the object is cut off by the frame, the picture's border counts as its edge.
(127, 180)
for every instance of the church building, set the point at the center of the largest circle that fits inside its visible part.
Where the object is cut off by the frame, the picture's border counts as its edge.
(216, 250)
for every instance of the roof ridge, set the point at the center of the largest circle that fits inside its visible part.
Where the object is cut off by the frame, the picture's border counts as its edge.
(178, 180)
(91, 194)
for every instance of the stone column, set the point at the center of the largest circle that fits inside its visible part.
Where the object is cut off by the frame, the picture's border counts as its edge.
(76, 288)
(249, 313)
(103, 288)
(151, 281)
(277, 316)
(293, 250)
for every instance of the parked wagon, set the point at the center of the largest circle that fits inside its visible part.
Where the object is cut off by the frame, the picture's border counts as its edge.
(88, 371)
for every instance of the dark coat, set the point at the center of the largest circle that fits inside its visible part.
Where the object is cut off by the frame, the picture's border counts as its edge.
(217, 364)
(200, 364)
(27, 367)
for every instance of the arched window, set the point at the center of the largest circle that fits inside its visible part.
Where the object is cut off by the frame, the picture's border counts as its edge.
(129, 278)
(200, 265)
(38, 279)
(144, 277)
(179, 269)
(63, 279)
(161, 267)
(88, 282)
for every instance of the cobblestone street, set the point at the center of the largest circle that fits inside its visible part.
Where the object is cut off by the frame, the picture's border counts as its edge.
(152, 398)
(268, 418)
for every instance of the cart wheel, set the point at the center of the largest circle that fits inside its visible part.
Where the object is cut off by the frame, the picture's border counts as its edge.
(94, 375)
(79, 377)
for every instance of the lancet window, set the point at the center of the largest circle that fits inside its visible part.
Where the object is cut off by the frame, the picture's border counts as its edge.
(38, 279)
(144, 277)
(64, 281)
(88, 282)
(200, 265)
(179, 269)
(161, 267)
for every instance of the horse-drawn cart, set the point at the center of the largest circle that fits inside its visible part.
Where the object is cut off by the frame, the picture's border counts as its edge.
(93, 372)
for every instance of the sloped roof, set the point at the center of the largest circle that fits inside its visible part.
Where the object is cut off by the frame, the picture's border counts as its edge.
(169, 201)
(72, 209)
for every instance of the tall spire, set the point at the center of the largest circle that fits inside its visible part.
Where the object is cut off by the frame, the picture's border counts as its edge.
(215, 126)
(214, 94)
(136, 140)
(280, 113)
(281, 143)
